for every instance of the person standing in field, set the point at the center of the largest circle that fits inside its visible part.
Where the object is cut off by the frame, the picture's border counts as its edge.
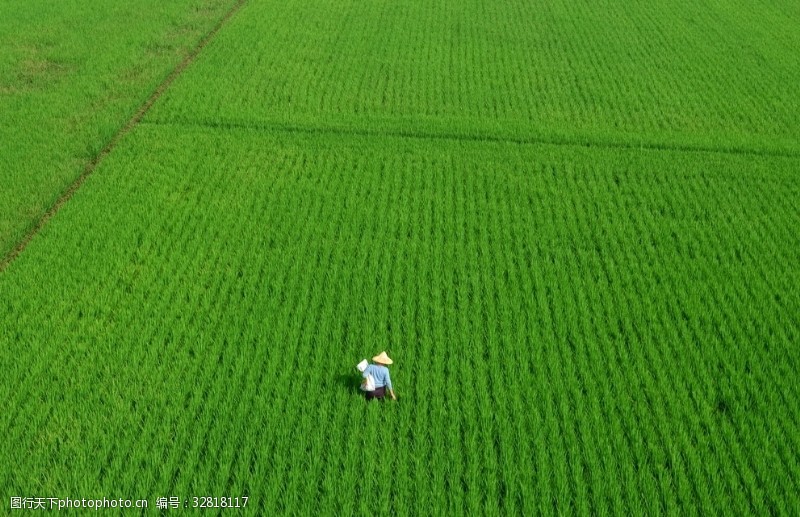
(380, 374)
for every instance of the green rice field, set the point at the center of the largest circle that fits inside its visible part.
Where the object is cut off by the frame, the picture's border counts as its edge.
(572, 225)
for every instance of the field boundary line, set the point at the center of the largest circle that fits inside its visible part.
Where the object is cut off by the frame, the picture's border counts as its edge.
(565, 141)
(126, 128)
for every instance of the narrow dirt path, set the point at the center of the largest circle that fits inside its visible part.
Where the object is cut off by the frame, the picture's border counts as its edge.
(126, 128)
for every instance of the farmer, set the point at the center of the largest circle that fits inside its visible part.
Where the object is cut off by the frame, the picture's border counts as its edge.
(380, 374)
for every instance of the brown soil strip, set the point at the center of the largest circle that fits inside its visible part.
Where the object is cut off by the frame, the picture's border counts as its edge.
(124, 130)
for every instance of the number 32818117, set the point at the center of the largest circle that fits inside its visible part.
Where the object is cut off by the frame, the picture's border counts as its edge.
(219, 502)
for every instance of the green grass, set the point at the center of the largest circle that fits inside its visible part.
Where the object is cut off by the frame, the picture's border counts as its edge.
(572, 227)
(71, 75)
(574, 330)
(707, 74)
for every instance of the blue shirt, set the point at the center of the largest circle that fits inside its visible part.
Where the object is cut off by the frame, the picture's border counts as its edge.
(380, 374)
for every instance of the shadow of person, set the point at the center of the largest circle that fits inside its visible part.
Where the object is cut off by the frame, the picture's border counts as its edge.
(349, 381)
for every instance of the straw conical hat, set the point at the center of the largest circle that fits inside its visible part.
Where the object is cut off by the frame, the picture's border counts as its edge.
(382, 358)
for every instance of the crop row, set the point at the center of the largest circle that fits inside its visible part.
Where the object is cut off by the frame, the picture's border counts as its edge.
(574, 330)
(685, 74)
(71, 75)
